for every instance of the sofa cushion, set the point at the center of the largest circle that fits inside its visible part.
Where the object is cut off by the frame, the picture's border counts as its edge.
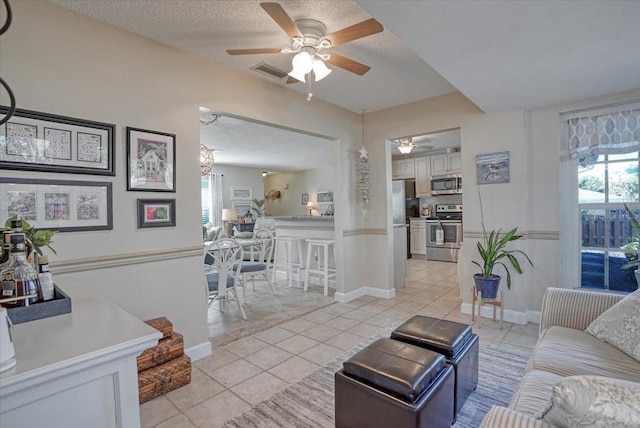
(569, 352)
(534, 392)
(620, 325)
(593, 401)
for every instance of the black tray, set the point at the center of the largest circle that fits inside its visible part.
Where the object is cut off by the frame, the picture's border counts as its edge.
(60, 304)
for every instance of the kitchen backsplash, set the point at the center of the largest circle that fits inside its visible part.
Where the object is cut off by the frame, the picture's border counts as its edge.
(432, 201)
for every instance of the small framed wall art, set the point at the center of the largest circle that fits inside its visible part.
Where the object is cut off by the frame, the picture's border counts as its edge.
(65, 206)
(156, 213)
(151, 161)
(305, 198)
(241, 207)
(492, 168)
(46, 142)
(325, 197)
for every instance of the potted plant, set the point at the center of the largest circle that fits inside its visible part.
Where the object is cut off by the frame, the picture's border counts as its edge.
(38, 237)
(493, 252)
(258, 207)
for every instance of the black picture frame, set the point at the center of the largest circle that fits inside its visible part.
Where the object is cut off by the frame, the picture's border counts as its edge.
(148, 210)
(24, 146)
(62, 205)
(151, 161)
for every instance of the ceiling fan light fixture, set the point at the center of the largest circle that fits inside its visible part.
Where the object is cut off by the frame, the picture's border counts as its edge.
(405, 145)
(303, 61)
(320, 70)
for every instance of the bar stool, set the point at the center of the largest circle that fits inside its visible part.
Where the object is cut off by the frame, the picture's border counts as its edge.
(287, 243)
(322, 270)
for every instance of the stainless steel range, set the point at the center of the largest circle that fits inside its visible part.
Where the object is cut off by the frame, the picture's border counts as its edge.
(450, 216)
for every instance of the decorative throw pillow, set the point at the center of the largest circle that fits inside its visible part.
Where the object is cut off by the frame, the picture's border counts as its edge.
(243, 234)
(620, 325)
(593, 401)
(213, 233)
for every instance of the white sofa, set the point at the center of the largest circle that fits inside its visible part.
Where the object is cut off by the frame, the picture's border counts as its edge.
(563, 349)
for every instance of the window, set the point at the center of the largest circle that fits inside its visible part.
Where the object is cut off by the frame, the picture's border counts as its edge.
(205, 194)
(607, 240)
(600, 176)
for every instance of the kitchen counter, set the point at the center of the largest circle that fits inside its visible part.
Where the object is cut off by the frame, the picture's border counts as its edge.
(77, 369)
(304, 218)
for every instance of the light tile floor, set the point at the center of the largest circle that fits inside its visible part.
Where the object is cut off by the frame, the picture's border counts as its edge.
(288, 336)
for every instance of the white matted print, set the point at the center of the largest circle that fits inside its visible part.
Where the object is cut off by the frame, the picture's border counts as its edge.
(151, 160)
(65, 206)
(241, 192)
(50, 143)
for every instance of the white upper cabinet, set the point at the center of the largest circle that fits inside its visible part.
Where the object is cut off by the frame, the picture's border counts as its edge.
(446, 163)
(423, 179)
(405, 169)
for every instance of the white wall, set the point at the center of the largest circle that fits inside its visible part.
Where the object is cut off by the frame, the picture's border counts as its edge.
(59, 62)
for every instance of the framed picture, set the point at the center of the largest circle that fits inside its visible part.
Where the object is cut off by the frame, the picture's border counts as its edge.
(156, 213)
(65, 206)
(45, 142)
(325, 197)
(305, 198)
(151, 161)
(492, 168)
(241, 207)
(242, 192)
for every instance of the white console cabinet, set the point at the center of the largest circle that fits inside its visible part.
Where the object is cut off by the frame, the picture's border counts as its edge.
(77, 369)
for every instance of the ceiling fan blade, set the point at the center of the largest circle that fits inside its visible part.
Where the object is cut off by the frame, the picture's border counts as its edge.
(292, 80)
(348, 64)
(357, 31)
(251, 51)
(277, 13)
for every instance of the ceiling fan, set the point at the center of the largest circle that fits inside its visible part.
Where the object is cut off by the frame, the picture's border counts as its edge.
(309, 42)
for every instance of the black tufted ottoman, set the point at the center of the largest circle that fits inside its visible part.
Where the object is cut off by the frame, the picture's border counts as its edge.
(394, 384)
(453, 340)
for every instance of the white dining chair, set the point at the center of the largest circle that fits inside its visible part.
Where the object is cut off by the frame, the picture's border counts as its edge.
(260, 261)
(221, 260)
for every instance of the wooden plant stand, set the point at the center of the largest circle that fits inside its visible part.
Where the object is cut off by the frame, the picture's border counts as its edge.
(477, 298)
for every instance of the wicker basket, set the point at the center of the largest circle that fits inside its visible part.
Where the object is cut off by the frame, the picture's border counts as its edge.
(167, 349)
(163, 325)
(166, 377)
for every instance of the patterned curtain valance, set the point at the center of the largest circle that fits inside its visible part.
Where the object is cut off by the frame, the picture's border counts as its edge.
(616, 132)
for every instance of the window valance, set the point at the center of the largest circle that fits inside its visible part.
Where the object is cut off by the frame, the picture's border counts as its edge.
(610, 133)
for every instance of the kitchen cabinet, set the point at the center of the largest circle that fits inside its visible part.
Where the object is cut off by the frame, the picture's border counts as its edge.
(405, 169)
(423, 180)
(446, 163)
(418, 237)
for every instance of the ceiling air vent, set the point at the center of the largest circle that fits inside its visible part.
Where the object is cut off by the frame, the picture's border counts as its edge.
(272, 71)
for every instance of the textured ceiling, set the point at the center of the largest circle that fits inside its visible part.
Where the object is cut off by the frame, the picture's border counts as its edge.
(249, 144)
(208, 28)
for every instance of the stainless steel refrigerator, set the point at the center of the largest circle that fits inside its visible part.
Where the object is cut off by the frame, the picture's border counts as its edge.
(399, 202)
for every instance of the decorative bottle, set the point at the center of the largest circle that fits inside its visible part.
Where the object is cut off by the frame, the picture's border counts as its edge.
(46, 280)
(439, 234)
(19, 277)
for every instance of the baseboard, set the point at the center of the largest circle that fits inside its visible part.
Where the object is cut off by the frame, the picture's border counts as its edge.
(509, 314)
(199, 352)
(534, 316)
(364, 291)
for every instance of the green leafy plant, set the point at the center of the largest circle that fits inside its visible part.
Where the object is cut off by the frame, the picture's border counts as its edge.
(634, 244)
(493, 251)
(258, 207)
(39, 237)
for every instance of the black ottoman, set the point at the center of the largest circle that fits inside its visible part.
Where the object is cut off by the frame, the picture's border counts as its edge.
(453, 340)
(394, 384)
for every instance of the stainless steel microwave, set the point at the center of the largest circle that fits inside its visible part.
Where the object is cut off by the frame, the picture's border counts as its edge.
(446, 184)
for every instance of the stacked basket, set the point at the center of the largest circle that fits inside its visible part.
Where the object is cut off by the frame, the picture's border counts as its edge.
(164, 367)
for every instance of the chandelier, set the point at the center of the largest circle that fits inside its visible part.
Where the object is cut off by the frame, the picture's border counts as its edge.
(405, 145)
(206, 160)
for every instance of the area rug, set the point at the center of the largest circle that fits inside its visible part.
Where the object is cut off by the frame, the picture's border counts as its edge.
(310, 401)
